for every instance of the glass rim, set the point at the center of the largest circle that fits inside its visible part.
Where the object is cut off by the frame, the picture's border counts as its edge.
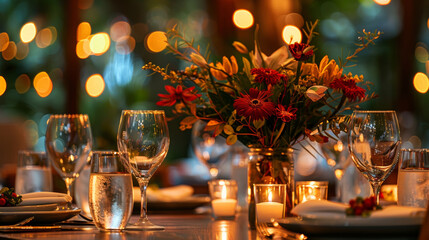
(374, 111)
(309, 183)
(23, 151)
(143, 111)
(107, 152)
(74, 115)
(414, 149)
(226, 182)
(269, 184)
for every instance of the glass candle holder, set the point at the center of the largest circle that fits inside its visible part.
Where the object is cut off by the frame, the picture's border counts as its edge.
(270, 201)
(311, 190)
(223, 195)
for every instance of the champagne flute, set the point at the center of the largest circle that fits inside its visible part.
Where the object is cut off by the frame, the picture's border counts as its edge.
(68, 143)
(208, 149)
(143, 134)
(374, 143)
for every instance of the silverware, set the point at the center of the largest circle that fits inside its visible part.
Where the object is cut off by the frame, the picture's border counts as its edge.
(274, 231)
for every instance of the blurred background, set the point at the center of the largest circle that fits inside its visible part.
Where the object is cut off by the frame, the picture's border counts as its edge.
(85, 56)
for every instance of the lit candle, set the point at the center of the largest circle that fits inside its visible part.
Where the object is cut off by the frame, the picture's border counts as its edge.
(267, 210)
(223, 206)
(313, 190)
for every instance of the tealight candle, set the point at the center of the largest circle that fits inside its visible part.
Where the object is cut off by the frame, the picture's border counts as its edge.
(270, 201)
(311, 190)
(223, 195)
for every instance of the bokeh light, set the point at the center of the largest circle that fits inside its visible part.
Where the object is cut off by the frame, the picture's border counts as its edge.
(44, 38)
(294, 19)
(382, 2)
(421, 82)
(95, 85)
(421, 54)
(242, 18)
(156, 41)
(32, 131)
(43, 84)
(10, 52)
(22, 50)
(28, 32)
(83, 30)
(82, 49)
(99, 43)
(291, 34)
(4, 41)
(119, 30)
(22, 83)
(3, 85)
(125, 45)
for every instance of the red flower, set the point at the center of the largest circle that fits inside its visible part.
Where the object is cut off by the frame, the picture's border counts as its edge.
(349, 87)
(286, 115)
(267, 75)
(177, 94)
(297, 50)
(2, 201)
(255, 105)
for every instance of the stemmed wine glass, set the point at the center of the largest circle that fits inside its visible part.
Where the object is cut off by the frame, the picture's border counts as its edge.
(143, 134)
(374, 144)
(338, 159)
(68, 143)
(208, 149)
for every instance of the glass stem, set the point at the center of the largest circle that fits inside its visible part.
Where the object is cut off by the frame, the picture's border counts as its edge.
(143, 183)
(376, 186)
(69, 184)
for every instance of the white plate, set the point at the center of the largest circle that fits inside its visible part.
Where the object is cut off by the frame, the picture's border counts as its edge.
(40, 217)
(354, 226)
(44, 207)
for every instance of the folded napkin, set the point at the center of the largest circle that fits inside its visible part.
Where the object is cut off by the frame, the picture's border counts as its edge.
(324, 208)
(169, 194)
(40, 198)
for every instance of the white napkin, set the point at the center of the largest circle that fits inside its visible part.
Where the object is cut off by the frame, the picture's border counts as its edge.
(169, 194)
(40, 198)
(324, 208)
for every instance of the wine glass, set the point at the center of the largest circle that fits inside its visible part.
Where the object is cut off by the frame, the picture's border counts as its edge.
(374, 143)
(143, 134)
(337, 158)
(68, 143)
(209, 150)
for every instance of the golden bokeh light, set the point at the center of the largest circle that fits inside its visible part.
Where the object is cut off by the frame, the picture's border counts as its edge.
(291, 34)
(28, 32)
(156, 41)
(421, 82)
(44, 38)
(242, 18)
(295, 19)
(83, 30)
(99, 43)
(95, 85)
(4, 41)
(22, 83)
(22, 50)
(119, 30)
(382, 2)
(82, 49)
(428, 23)
(43, 84)
(10, 52)
(125, 45)
(85, 4)
(3, 85)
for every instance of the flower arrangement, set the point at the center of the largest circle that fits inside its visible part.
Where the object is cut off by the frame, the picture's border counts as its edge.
(264, 101)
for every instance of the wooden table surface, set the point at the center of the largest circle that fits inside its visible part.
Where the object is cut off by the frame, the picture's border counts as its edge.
(177, 227)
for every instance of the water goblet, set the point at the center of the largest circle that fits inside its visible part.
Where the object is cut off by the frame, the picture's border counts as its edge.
(68, 143)
(374, 143)
(209, 150)
(143, 134)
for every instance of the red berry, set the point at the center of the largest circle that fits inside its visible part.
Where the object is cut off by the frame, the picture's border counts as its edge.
(14, 195)
(359, 211)
(368, 203)
(2, 201)
(352, 203)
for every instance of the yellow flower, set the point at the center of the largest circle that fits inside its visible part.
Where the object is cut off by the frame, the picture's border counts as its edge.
(198, 59)
(329, 70)
(224, 69)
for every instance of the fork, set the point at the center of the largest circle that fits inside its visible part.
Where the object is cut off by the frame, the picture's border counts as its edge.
(274, 232)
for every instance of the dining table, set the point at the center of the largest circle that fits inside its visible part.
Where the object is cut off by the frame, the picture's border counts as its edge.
(178, 225)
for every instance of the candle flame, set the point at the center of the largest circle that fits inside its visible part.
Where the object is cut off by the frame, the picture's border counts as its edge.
(223, 196)
(270, 195)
